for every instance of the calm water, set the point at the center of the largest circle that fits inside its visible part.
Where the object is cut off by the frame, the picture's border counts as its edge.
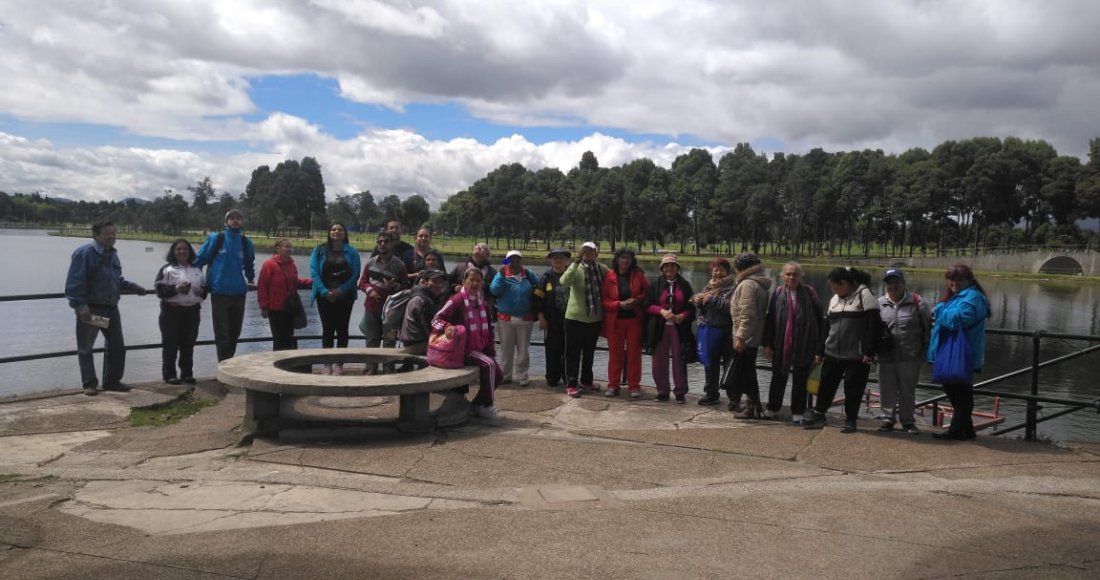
(36, 263)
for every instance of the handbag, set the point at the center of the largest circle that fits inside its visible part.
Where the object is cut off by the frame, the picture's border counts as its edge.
(813, 382)
(293, 305)
(952, 364)
(447, 352)
(297, 310)
(708, 343)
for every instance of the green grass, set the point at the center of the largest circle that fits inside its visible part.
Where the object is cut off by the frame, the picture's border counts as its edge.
(186, 406)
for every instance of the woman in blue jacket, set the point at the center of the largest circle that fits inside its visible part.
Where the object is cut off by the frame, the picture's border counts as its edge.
(513, 287)
(334, 267)
(964, 306)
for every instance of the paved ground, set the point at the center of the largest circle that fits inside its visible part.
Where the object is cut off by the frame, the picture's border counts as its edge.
(586, 488)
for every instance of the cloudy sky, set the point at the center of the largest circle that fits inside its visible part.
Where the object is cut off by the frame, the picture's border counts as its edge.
(113, 99)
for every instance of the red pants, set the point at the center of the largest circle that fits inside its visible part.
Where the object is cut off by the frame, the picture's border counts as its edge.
(624, 339)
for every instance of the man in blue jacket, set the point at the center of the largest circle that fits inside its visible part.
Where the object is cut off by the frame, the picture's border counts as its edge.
(231, 275)
(92, 288)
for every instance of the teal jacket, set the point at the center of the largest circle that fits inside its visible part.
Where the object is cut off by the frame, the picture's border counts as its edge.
(513, 295)
(968, 310)
(350, 287)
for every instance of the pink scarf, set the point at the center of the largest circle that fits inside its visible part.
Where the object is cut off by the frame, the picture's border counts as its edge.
(478, 333)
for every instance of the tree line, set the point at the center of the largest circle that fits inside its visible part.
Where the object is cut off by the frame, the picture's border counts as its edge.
(980, 193)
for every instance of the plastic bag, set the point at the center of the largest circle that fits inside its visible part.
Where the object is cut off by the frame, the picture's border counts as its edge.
(708, 343)
(952, 363)
(813, 383)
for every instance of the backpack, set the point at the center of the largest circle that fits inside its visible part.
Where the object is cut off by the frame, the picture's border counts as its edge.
(393, 313)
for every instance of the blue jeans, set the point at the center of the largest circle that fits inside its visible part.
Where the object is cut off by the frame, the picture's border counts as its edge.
(114, 348)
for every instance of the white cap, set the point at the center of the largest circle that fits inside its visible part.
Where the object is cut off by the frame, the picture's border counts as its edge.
(512, 253)
(590, 245)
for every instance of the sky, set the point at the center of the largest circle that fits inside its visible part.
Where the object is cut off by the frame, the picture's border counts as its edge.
(130, 98)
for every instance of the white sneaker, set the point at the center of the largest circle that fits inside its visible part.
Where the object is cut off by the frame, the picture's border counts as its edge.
(489, 413)
(796, 418)
(769, 414)
(326, 370)
(338, 369)
(524, 382)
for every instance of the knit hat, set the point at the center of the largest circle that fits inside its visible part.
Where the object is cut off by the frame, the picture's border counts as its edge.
(670, 259)
(233, 212)
(745, 261)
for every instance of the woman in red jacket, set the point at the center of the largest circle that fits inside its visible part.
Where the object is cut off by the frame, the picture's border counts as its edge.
(278, 278)
(623, 295)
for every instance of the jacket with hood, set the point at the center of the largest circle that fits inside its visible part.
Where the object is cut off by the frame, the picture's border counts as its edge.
(235, 256)
(749, 306)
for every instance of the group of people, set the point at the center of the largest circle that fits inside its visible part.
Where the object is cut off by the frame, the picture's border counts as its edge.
(409, 296)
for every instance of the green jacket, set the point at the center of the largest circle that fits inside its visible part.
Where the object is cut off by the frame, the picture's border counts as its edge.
(573, 278)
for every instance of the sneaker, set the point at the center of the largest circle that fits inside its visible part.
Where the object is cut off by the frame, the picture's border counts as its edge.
(886, 427)
(524, 382)
(338, 369)
(91, 391)
(636, 394)
(769, 414)
(326, 370)
(590, 388)
(172, 381)
(911, 429)
(489, 413)
(188, 380)
(662, 397)
(813, 420)
(709, 400)
(849, 427)
(796, 419)
(611, 392)
(681, 399)
(573, 392)
(118, 387)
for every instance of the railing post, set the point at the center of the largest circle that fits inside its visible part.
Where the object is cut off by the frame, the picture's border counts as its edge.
(1032, 405)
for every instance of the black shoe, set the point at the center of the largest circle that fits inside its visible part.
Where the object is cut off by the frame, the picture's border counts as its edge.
(849, 427)
(91, 390)
(119, 387)
(735, 406)
(662, 398)
(172, 381)
(949, 436)
(188, 380)
(751, 411)
(886, 427)
(709, 401)
(681, 399)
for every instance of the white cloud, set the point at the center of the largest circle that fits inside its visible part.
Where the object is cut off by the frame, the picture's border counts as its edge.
(838, 74)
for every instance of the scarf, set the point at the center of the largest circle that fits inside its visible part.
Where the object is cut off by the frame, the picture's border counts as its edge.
(592, 283)
(788, 334)
(478, 333)
(714, 288)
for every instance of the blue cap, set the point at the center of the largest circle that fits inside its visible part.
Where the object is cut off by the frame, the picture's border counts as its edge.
(893, 273)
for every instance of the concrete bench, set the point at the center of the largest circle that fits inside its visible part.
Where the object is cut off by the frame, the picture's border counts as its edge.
(267, 376)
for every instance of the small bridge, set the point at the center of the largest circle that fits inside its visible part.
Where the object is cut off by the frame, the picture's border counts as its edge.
(1066, 262)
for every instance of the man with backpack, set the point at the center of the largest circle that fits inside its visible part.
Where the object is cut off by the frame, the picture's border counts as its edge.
(232, 273)
(414, 314)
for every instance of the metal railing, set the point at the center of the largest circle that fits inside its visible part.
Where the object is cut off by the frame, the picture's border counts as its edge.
(1033, 398)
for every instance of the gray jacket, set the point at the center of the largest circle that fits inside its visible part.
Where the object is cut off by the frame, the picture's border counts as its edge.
(909, 322)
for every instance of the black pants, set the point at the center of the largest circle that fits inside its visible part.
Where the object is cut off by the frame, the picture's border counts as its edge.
(554, 343)
(854, 373)
(580, 349)
(334, 321)
(778, 386)
(227, 313)
(282, 330)
(741, 379)
(713, 373)
(179, 328)
(962, 399)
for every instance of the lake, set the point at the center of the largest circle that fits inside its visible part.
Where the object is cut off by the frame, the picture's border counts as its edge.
(37, 263)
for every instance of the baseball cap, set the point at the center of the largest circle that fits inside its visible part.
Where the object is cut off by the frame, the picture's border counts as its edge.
(509, 255)
(893, 273)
